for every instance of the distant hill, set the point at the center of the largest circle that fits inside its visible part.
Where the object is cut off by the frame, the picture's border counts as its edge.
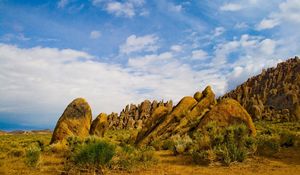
(272, 95)
(2, 132)
(43, 131)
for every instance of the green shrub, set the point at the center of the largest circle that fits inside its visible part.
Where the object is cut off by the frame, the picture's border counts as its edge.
(168, 144)
(268, 145)
(251, 144)
(287, 138)
(73, 142)
(127, 158)
(59, 148)
(146, 154)
(157, 144)
(181, 144)
(204, 157)
(94, 155)
(229, 144)
(32, 156)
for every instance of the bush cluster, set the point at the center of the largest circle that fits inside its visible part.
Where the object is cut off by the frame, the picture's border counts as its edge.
(273, 137)
(32, 156)
(128, 157)
(227, 145)
(94, 155)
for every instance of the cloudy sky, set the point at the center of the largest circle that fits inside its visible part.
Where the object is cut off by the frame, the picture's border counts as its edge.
(116, 52)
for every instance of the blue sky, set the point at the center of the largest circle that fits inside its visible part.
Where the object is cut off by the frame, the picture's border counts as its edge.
(114, 52)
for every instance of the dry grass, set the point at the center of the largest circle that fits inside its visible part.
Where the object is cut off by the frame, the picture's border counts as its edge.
(53, 158)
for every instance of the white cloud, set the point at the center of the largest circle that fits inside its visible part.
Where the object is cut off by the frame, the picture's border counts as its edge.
(176, 48)
(45, 80)
(175, 8)
(231, 7)
(62, 3)
(245, 57)
(141, 62)
(289, 12)
(218, 31)
(127, 8)
(120, 9)
(199, 55)
(144, 12)
(136, 44)
(223, 50)
(95, 34)
(241, 25)
(267, 24)
(267, 46)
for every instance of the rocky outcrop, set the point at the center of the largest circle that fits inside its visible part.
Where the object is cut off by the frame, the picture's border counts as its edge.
(156, 119)
(228, 112)
(272, 95)
(75, 121)
(180, 120)
(99, 125)
(136, 116)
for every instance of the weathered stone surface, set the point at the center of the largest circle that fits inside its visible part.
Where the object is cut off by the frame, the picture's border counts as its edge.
(198, 96)
(207, 99)
(227, 112)
(99, 125)
(180, 120)
(156, 119)
(75, 121)
(267, 94)
(179, 111)
(135, 116)
(189, 115)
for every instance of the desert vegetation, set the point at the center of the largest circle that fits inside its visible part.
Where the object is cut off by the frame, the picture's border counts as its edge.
(114, 153)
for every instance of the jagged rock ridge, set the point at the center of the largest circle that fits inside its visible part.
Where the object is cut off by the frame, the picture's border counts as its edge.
(272, 95)
(135, 116)
(190, 115)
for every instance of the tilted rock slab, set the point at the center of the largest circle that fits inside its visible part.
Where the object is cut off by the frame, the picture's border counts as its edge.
(178, 121)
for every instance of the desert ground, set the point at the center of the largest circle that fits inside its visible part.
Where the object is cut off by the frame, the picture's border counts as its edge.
(53, 160)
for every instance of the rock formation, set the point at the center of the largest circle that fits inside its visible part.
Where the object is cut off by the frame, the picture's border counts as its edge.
(135, 116)
(190, 114)
(272, 95)
(99, 125)
(227, 112)
(75, 121)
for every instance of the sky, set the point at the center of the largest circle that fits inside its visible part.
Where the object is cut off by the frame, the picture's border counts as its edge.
(117, 52)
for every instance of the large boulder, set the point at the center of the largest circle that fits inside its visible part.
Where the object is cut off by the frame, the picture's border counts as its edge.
(99, 125)
(227, 112)
(75, 121)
